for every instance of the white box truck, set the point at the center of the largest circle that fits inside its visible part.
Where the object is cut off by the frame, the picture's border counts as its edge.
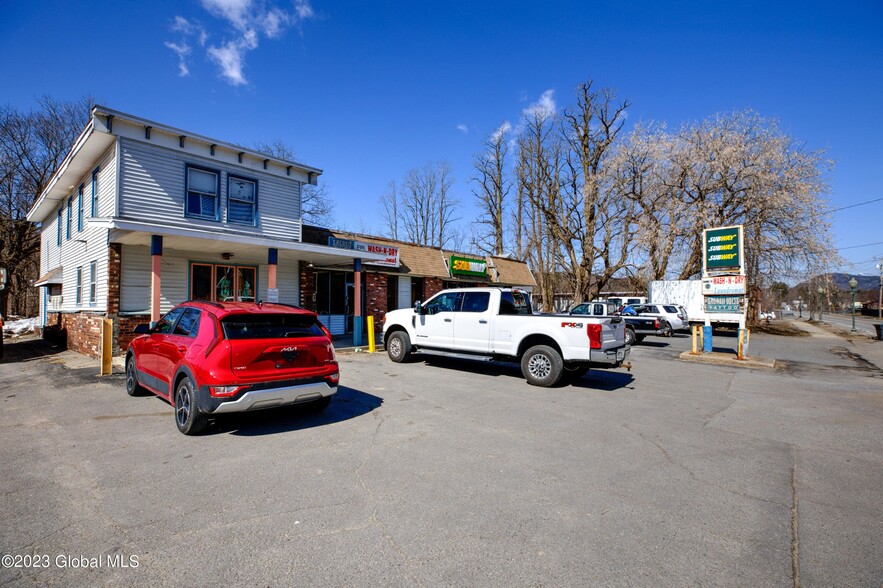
(688, 293)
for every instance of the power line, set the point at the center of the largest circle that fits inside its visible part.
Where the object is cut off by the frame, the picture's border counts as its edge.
(854, 205)
(857, 246)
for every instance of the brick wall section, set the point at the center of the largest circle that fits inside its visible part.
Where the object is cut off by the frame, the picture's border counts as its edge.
(83, 332)
(114, 273)
(122, 331)
(432, 286)
(375, 297)
(307, 287)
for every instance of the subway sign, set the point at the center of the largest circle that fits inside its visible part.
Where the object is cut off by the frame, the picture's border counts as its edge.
(463, 266)
(722, 250)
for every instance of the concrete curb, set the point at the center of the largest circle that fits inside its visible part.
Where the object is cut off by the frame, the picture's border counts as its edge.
(729, 359)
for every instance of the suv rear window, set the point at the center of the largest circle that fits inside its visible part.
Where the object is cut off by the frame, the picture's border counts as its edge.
(271, 326)
(670, 309)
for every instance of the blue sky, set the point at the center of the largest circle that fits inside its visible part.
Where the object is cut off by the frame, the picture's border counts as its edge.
(367, 91)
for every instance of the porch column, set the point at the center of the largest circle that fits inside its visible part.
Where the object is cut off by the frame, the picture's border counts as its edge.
(155, 275)
(357, 295)
(272, 260)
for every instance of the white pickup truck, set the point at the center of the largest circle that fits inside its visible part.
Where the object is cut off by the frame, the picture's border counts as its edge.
(497, 324)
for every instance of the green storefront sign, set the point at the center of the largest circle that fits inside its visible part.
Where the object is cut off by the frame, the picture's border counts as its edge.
(723, 249)
(463, 266)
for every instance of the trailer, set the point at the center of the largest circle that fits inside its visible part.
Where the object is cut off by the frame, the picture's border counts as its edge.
(688, 293)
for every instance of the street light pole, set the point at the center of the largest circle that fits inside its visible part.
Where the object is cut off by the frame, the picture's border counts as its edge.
(821, 294)
(852, 285)
(880, 300)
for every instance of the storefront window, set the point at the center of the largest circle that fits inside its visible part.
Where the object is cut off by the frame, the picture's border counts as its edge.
(224, 278)
(200, 282)
(223, 283)
(416, 289)
(392, 292)
(245, 281)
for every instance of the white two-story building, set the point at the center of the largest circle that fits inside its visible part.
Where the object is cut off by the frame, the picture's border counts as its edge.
(141, 216)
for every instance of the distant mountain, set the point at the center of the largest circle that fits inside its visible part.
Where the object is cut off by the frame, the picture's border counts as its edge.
(841, 281)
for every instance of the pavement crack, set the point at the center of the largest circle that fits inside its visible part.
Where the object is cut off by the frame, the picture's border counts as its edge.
(696, 478)
(795, 522)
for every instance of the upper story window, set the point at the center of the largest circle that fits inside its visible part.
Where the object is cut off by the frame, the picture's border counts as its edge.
(70, 212)
(80, 208)
(58, 226)
(95, 191)
(202, 193)
(242, 195)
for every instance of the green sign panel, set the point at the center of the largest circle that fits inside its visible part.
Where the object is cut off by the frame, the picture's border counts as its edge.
(730, 304)
(723, 249)
(463, 266)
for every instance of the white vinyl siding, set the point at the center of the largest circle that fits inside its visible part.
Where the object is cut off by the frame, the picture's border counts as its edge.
(85, 247)
(135, 287)
(153, 189)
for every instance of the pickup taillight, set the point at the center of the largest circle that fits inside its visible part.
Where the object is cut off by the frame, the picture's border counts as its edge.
(594, 333)
(656, 324)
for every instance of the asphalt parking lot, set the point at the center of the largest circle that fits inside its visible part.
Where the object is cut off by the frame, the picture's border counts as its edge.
(448, 472)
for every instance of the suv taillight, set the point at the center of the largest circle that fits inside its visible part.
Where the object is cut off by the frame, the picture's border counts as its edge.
(594, 333)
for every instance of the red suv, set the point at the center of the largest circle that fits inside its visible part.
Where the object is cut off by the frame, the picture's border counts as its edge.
(209, 358)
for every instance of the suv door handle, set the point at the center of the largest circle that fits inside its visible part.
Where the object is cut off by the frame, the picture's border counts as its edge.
(447, 320)
(482, 322)
(182, 348)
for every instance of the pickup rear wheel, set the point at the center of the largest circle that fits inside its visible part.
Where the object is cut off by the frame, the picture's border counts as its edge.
(630, 338)
(542, 366)
(398, 346)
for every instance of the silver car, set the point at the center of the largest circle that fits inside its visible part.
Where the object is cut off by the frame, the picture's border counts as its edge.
(673, 313)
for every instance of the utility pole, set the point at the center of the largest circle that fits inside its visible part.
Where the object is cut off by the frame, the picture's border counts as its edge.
(880, 300)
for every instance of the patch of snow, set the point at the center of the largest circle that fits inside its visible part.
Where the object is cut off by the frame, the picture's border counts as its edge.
(19, 327)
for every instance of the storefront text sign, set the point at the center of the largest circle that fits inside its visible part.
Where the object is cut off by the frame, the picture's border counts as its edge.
(463, 266)
(722, 250)
(391, 253)
(721, 285)
(728, 304)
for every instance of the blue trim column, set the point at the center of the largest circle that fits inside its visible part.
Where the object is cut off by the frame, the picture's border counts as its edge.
(357, 303)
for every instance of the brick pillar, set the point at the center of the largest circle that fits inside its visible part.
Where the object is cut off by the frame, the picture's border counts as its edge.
(307, 287)
(432, 286)
(376, 288)
(114, 276)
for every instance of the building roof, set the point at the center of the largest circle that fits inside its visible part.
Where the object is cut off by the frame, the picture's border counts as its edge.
(98, 135)
(431, 262)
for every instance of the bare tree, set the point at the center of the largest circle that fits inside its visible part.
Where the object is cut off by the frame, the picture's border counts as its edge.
(389, 201)
(32, 146)
(422, 209)
(317, 205)
(491, 191)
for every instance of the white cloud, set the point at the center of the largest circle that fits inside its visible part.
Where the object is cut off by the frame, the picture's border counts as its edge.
(501, 130)
(463, 128)
(182, 50)
(543, 108)
(247, 22)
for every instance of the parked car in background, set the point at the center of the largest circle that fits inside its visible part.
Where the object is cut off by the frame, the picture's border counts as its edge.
(636, 326)
(674, 314)
(209, 358)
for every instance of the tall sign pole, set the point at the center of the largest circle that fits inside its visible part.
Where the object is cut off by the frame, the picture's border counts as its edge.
(880, 300)
(724, 285)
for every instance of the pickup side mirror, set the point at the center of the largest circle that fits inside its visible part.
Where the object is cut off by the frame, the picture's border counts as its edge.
(418, 308)
(142, 329)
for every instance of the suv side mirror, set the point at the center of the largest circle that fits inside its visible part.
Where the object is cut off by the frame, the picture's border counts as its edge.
(141, 329)
(418, 308)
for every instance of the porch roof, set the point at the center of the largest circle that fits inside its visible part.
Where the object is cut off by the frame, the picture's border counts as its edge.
(130, 232)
